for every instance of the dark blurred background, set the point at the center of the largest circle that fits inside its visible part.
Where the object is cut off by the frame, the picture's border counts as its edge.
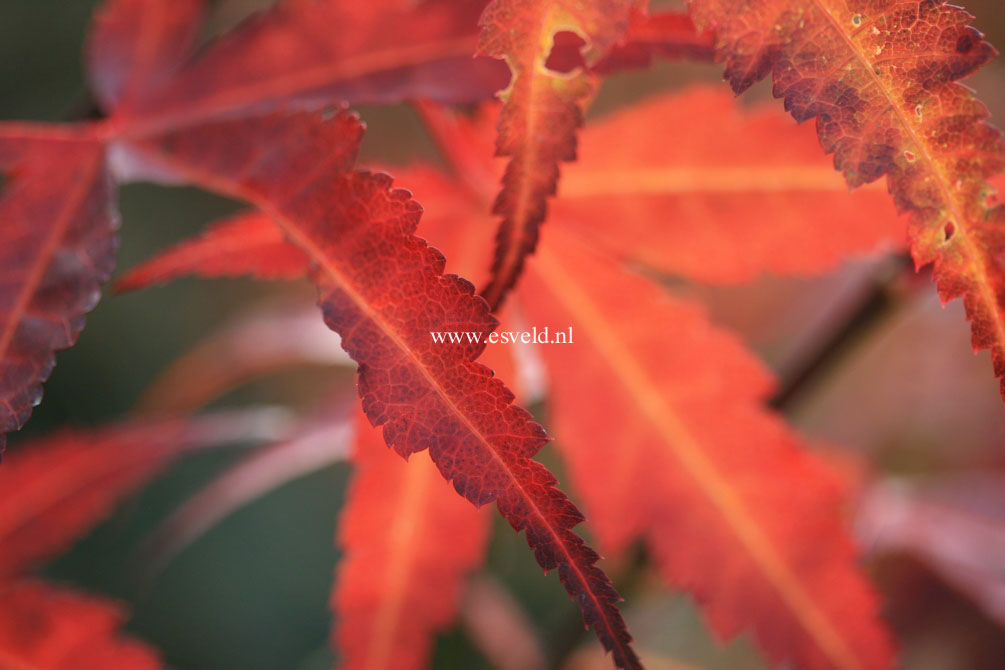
(902, 391)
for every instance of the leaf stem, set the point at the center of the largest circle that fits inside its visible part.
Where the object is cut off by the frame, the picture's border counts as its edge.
(877, 301)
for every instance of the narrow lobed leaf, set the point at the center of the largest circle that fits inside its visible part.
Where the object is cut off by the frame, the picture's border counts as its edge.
(409, 543)
(733, 506)
(54, 253)
(383, 290)
(880, 78)
(245, 244)
(542, 110)
(319, 52)
(58, 629)
(60, 486)
(679, 398)
(138, 63)
(741, 194)
(134, 46)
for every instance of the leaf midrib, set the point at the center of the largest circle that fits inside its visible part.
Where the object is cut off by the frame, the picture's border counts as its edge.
(285, 86)
(689, 453)
(49, 248)
(407, 527)
(301, 239)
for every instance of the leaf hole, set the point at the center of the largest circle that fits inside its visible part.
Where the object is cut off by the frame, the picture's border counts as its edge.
(949, 230)
(856, 20)
(566, 53)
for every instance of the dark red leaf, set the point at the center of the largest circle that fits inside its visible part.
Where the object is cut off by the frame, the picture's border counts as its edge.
(383, 290)
(45, 628)
(316, 53)
(136, 45)
(245, 244)
(54, 254)
(881, 79)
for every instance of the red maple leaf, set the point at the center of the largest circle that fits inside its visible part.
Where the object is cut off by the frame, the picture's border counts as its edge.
(58, 629)
(762, 543)
(542, 111)
(57, 489)
(60, 486)
(680, 389)
(59, 250)
(880, 78)
(395, 524)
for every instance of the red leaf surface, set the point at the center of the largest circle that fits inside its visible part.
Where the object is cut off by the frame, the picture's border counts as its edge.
(58, 487)
(253, 245)
(45, 628)
(315, 53)
(245, 244)
(664, 35)
(723, 202)
(409, 543)
(55, 252)
(763, 543)
(542, 111)
(649, 373)
(273, 340)
(880, 78)
(59, 250)
(136, 45)
(383, 290)
(737, 511)
(805, 599)
(740, 194)
(318, 52)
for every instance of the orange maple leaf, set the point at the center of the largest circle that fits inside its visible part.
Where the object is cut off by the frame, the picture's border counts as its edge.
(410, 542)
(880, 77)
(48, 628)
(542, 111)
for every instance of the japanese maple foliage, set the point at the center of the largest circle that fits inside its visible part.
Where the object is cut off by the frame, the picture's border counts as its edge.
(56, 254)
(665, 417)
(880, 78)
(632, 374)
(542, 111)
(249, 240)
(58, 629)
(350, 224)
(137, 56)
(389, 577)
(56, 490)
(661, 415)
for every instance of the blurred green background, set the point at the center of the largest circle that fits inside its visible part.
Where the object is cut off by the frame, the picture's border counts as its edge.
(253, 592)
